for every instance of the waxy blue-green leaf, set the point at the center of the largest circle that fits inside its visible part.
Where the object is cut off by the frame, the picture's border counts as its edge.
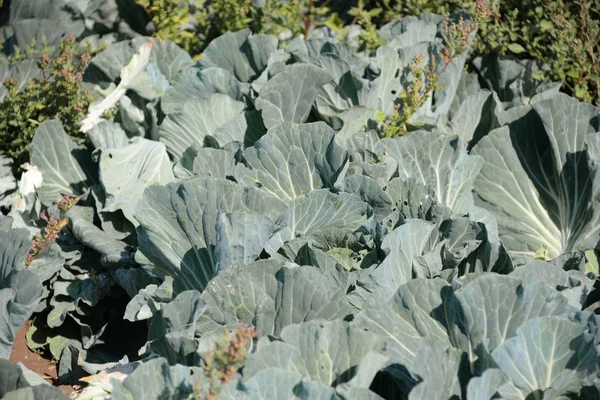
(20, 289)
(484, 387)
(242, 54)
(217, 163)
(66, 168)
(218, 117)
(387, 86)
(292, 160)
(113, 253)
(404, 244)
(275, 383)
(127, 171)
(105, 68)
(320, 209)
(107, 135)
(462, 237)
(20, 71)
(325, 352)
(448, 83)
(47, 262)
(411, 198)
(469, 115)
(370, 192)
(241, 237)
(546, 353)
(27, 23)
(148, 299)
(408, 31)
(289, 95)
(347, 90)
(115, 224)
(573, 284)
(494, 307)
(197, 84)
(513, 80)
(537, 181)
(439, 161)
(402, 322)
(178, 226)
(271, 295)
(155, 379)
(173, 327)
(440, 369)
(16, 384)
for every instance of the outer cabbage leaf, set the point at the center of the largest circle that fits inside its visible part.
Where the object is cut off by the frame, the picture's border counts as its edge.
(217, 163)
(371, 192)
(108, 135)
(126, 171)
(133, 76)
(478, 314)
(320, 209)
(155, 379)
(387, 85)
(369, 158)
(326, 352)
(440, 369)
(14, 384)
(20, 290)
(439, 161)
(67, 169)
(547, 353)
(289, 95)
(113, 253)
(293, 160)
(274, 383)
(197, 84)
(411, 198)
(471, 116)
(494, 307)
(217, 117)
(409, 31)
(242, 54)
(406, 318)
(27, 22)
(105, 68)
(484, 387)
(348, 88)
(172, 329)
(178, 229)
(20, 71)
(271, 295)
(573, 284)
(512, 80)
(404, 245)
(538, 179)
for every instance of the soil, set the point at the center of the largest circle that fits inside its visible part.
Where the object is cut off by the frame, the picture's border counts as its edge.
(34, 361)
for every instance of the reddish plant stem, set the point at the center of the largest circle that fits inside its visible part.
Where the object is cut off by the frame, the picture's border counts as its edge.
(307, 19)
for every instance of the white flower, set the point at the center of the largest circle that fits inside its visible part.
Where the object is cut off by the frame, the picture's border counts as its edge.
(30, 181)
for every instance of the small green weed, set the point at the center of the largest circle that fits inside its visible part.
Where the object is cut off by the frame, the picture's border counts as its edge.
(56, 95)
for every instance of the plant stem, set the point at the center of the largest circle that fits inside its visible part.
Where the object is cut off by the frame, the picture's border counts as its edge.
(308, 19)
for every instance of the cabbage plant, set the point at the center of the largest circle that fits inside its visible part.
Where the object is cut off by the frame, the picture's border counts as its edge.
(254, 187)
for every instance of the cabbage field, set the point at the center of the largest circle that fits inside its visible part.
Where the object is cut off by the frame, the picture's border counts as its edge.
(302, 216)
